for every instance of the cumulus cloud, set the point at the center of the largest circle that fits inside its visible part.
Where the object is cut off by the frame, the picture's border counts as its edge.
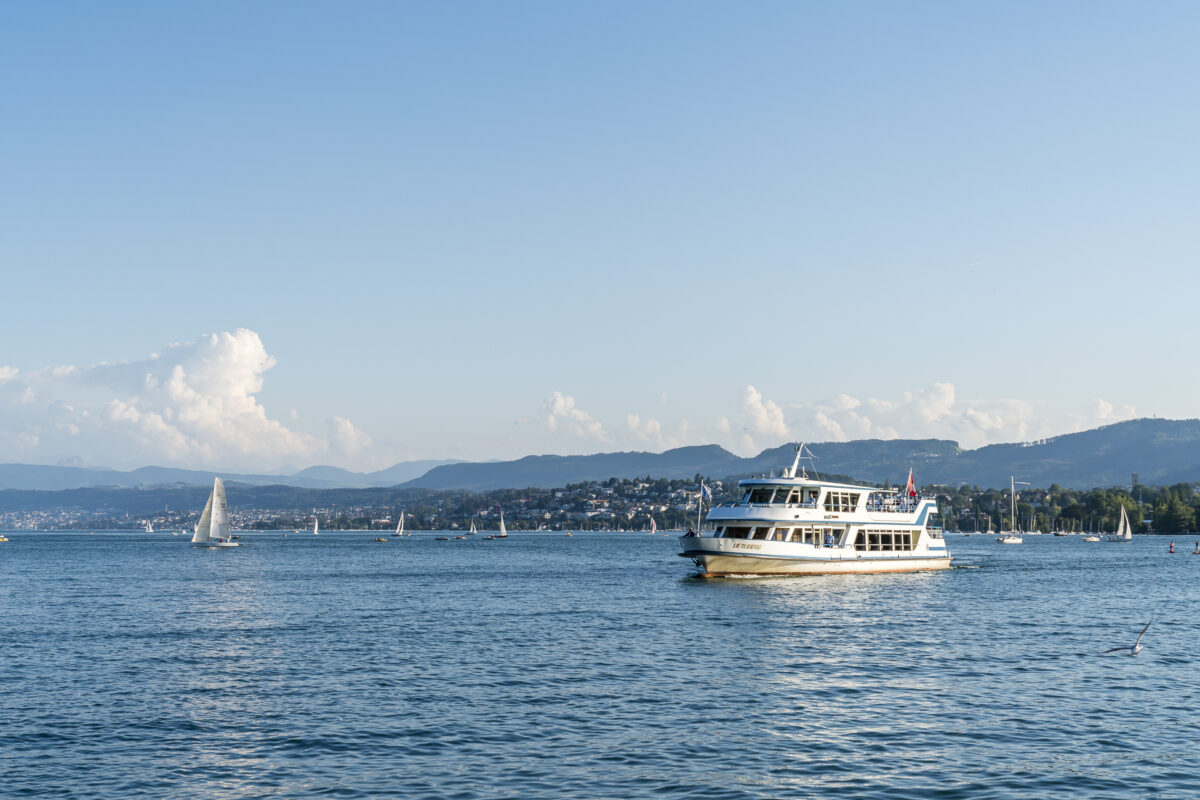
(938, 412)
(347, 439)
(193, 404)
(562, 414)
(649, 431)
(764, 416)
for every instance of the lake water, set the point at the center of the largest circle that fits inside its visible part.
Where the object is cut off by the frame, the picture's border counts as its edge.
(589, 667)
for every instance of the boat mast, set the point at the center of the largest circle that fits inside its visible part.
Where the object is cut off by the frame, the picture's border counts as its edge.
(1012, 492)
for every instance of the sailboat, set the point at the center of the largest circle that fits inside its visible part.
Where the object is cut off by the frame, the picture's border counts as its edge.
(400, 526)
(653, 526)
(503, 533)
(472, 532)
(1124, 530)
(213, 528)
(316, 527)
(1013, 536)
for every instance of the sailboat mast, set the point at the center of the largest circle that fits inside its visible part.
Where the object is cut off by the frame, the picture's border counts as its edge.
(1012, 491)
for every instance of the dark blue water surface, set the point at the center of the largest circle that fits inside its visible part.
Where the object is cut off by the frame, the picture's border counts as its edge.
(588, 667)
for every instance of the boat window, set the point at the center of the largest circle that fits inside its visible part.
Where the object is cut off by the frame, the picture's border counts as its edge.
(791, 497)
(737, 532)
(781, 534)
(761, 495)
(841, 501)
(883, 540)
(761, 532)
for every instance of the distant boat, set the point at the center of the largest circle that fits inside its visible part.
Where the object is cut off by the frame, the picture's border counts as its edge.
(213, 528)
(400, 526)
(653, 526)
(149, 527)
(472, 532)
(1124, 530)
(380, 539)
(1091, 537)
(503, 533)
(3, 538)
(1013, 536)
(316, 527)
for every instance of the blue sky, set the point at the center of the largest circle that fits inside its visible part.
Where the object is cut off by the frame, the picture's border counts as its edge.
(268, 235)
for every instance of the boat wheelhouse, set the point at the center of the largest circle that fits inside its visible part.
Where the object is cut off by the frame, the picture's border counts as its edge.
(797, 525)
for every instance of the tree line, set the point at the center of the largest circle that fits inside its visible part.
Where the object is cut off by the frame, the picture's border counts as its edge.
(1151, 509)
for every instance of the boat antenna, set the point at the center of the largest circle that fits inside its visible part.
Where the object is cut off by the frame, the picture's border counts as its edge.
(800, 456)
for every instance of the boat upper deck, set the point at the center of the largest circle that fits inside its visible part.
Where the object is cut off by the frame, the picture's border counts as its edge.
(794, 494)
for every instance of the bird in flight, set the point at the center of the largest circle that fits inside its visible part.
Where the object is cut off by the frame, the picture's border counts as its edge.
(1137, 645)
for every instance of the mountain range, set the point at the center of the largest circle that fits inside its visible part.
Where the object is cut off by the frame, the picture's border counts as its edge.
(1160, 451)
(54, 478)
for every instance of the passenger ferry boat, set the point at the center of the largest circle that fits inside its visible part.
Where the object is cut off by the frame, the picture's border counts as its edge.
(797, 525)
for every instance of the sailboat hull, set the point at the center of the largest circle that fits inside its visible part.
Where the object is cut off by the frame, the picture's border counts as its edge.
(214, 543)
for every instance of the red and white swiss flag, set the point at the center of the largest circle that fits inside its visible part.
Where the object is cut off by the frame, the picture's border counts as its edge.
(911, 487)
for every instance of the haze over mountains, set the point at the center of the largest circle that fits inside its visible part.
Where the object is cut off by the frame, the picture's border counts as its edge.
(53, 478)
(1160, 451)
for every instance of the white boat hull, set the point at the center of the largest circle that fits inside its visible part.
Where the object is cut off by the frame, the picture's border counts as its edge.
(214, 543)
(717, 558)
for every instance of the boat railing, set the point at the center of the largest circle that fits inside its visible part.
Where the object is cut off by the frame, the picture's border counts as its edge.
(809, 504)
(894, 508)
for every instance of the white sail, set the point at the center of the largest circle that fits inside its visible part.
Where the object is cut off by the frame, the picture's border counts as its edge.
(503, 530)
(473, 531)
(1124, 529)
(316, 526)
(400, 525)
(220, 513)
(653, 526)
(201, 533)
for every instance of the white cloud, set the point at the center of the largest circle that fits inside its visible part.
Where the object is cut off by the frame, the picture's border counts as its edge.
(764, 416)
(195, 404)
(7, 373)
(937, 412)
(650, 431)
(347, 439)
(562, 414)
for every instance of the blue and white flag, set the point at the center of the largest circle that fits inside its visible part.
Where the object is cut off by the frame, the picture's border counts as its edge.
(705, 493)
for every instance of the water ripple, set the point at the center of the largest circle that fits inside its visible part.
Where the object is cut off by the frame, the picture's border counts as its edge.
(591, 667)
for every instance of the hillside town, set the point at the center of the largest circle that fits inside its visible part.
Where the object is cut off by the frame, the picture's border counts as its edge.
(611, 505)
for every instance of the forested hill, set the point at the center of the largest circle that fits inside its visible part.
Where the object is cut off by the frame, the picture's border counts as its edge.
(1160, 451)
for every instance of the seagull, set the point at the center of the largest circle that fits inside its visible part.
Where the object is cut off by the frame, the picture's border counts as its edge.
(1137, 646)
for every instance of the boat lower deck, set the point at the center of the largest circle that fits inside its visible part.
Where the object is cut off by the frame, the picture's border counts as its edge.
(721, 558)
